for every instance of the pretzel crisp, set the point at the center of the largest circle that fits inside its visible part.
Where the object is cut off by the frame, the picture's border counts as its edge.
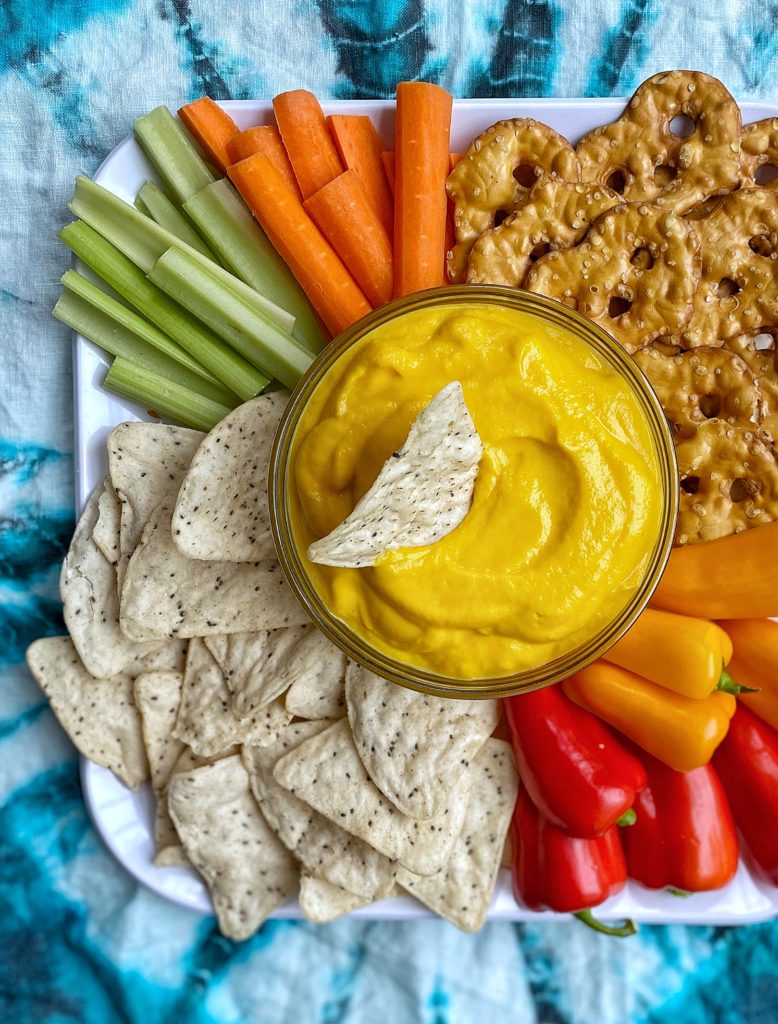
(556, 215)
(703, 384)
(495, 175)
(763, 363)
(759, 149)
(738, 292)
(643, 158)
(635, 273)
(729, 483)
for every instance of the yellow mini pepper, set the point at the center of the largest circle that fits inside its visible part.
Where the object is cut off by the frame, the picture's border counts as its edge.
(678, 652)
(683, 732)
(756, 663)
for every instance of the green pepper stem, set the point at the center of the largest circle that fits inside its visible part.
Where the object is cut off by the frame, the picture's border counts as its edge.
(728, 684)
(622, 931)
(629, 817)
(675, 891)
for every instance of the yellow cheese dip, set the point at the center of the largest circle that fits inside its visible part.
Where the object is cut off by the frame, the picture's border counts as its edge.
(567, 503)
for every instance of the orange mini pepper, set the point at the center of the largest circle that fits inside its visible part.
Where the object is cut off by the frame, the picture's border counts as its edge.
(755, 663)
(680, 731)
(681, 653)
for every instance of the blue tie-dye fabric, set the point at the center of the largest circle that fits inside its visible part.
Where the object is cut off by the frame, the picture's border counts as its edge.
(79, 940)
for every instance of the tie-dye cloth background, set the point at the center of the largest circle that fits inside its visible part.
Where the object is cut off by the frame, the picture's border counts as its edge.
(79, 940)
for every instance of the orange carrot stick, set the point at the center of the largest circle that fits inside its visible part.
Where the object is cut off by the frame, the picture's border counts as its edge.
(212, 128)
(453, 160)
(330, 288)
(387, 159)
(359, 147)
(264, 138)
(307, 139)
(422, 161)
(344, 216)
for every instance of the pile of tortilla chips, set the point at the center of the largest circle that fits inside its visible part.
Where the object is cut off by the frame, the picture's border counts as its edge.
(278, 766)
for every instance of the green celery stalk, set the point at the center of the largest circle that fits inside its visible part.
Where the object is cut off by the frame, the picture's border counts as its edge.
(117, 339)
(254, 336)
(128, 318)
(168, 146)
(143, 242)
(124, 277)
(242, 246)
(153, 202)
(163, 397)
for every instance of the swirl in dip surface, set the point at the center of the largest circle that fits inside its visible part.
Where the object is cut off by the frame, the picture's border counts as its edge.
(567, 504)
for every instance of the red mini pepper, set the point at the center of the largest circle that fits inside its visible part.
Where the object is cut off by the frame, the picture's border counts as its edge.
(576, 771)
(565, 873)
(747, 761)
(684, 837)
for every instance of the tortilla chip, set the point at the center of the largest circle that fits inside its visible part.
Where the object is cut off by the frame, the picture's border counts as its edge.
(258, 667)
(414, 747)
(321, 901)
(422, 492)
(248, 871)
(322, 847)
(326, 772)
(320, 691)
(166, 594)
(108, 525)
(206, 721)
(98, 715)
(462, 891)
(222, 509)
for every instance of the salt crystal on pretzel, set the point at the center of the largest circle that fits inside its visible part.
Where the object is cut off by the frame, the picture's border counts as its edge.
(635, 273)
(494, 176)
(556, 215)
(759, 153)
(644, 156)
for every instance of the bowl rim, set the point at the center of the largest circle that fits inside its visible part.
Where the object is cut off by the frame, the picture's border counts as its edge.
(356, 646)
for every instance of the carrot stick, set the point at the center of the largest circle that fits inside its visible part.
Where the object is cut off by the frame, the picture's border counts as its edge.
(422, 162)
(344, 216)
(308, 142)
(387, 159)
(264, 138)
(330, 288)
(360, 151)
(212, 129)
(453, 160)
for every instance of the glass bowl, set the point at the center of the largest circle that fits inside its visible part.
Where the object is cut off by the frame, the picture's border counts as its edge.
(359, 648)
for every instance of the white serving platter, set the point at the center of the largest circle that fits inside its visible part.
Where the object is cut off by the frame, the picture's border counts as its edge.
(125, 819)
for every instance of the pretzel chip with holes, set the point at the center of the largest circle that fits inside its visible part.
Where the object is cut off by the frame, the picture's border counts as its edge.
(738, 292)
(495, 175)
(760, 353)
(641, 156)
(635, 273)
(703, 384)
(556, 215)
(729, 483)
(759, 153)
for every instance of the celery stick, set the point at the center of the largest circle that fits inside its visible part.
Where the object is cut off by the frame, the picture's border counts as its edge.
(143, 242)
(128, 318)
(163, 397)
(155, 204)
(166, 143)
(115, 338)
(243, 247)
(256, 338)
(125, 278)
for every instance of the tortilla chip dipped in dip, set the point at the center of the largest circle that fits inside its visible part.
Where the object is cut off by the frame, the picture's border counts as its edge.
(477, 486)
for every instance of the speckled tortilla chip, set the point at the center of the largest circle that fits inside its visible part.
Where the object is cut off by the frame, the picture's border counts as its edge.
(415, 747)
(422, 492)
(320, 691)
(462, 890)
(108, 524)
(327, 773)
(206, 721)
(322, 847)
(99, 715)
(321, 902)
(258, 667)
(222, 509)
(248, 871)
(90, 602)
(166, 594)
